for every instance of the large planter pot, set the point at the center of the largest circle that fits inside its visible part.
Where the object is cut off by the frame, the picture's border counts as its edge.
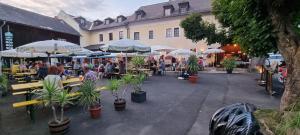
(120, 104)
(95, 111)
(229, 71)
(193, 78)
(59, 129)
(138, 97)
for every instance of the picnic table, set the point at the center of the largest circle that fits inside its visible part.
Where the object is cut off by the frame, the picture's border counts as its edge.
(26, 74)
(26, 86)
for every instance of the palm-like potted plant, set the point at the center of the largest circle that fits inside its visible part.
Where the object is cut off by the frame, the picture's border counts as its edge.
(3, 85)
(229, 64)
(193, 68)
(52, 96)
(90, 98)
(138, 95)
(138, 61)
(114, 86)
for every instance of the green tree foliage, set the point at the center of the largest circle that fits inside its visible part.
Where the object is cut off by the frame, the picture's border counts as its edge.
(196, 29)
(249, 23)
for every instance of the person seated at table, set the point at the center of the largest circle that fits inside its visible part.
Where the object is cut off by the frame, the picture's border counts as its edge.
(53, 77)
(122, 67)
(76, 67)
(62, 71)
(42, 70)
(89, 74)
(153, 65)
(108, 67)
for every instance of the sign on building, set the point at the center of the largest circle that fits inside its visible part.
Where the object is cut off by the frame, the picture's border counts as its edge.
(8, 38)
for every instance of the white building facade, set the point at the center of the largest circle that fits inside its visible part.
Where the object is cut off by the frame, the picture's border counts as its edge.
(157, 24)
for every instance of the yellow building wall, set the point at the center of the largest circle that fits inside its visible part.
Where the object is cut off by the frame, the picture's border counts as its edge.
(159, 27)
(95, 35)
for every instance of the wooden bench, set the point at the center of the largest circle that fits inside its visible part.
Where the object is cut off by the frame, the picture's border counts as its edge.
(30, 104)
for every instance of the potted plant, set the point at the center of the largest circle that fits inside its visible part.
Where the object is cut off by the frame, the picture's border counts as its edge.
(89, 98)
(54, 97)
(114, 86)
(138, 95)
(3, 85)
(193, 68)
(138, 61)
(229, 64)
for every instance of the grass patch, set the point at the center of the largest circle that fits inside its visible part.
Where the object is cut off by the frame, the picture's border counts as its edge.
(273, 122)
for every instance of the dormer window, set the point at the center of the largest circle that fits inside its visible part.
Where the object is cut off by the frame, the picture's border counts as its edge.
(108, 20)
(184, 7)
(121, 18)
(168, 10)
(140, 14)
(97, 23)
(82, 21)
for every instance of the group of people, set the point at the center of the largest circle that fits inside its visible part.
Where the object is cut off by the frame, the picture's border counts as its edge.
(159, 67)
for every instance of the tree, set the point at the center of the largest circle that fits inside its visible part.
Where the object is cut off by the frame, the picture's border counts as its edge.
(196, 29)
(262, 26)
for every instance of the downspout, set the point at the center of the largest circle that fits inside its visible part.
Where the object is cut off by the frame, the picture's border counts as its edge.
(1, 44)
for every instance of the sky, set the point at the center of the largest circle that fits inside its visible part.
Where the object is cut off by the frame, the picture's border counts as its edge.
(90, 9)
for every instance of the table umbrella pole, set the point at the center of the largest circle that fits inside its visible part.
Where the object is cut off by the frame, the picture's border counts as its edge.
(126, 62)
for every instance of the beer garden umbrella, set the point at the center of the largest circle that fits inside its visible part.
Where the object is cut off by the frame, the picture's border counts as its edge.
(125, 46)
(50, 47)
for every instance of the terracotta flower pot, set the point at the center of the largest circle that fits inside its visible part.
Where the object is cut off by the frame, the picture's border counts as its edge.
(193, 78)
(120, 104)
(95, 111)
(59, 128)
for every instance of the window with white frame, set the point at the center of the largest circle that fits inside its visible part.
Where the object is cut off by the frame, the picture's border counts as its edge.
(168, 11)
(121, 35)
(183, 9)
(169, 33)
(120, 19)
(151, 34)
(136, 36)
(176, 32)
(107, 21)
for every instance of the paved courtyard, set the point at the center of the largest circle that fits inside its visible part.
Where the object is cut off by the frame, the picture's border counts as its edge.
(173, 107)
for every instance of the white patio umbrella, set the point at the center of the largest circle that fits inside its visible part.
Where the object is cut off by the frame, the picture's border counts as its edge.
(13, 53)
(162, 48)
(50, 46)
(181, 52)
(125, 46)
(213, 51)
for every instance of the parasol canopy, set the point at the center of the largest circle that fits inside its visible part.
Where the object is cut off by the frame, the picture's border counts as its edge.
(126, 46)
(213, 51)
(13, 53)
(162, 48)
(181, 52)
(50, 46)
